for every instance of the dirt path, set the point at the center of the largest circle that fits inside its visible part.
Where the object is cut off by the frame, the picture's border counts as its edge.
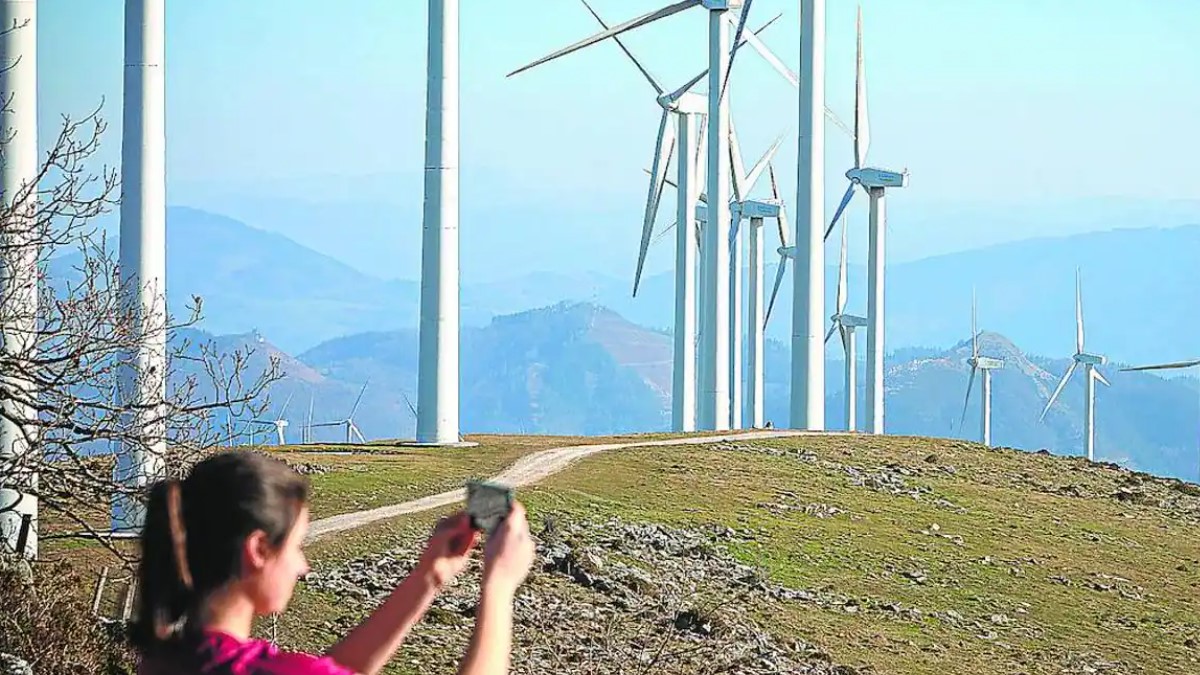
(529, 469)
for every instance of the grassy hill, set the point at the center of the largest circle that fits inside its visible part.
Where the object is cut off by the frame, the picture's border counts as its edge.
(825, 554)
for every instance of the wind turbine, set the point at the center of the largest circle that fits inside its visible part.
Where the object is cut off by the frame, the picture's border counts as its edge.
(755, 354)
(280, 424)
(18, 264)
(438, 369)
(679, 142)
(1178, 365)
(876, 182)
(845, 325)
(755, 210)
(1089, 363)
(348, 422)
(143, 251)
(714, 319)
(986, 364)
(307, 435)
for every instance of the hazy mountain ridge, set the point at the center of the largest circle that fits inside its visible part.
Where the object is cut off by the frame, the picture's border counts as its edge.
(577, 368)
(1135, 281)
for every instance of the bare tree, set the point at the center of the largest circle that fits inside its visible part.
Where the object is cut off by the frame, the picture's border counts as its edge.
(68, 353)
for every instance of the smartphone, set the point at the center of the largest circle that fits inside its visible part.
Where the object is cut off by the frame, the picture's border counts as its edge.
(488, 504)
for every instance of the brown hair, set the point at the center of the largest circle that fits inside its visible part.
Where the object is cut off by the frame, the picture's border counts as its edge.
(193, 536)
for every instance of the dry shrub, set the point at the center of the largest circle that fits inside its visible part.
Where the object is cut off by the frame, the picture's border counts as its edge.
(50, 625)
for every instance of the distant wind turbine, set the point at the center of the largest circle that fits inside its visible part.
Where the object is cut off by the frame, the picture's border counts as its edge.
(1089, 363)
(1178, 365)
(876, 182)
(348, 423)
(280, 423)
(986, 364)
(846, 325)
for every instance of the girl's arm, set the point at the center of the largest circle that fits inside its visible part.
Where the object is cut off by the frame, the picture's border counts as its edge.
(369, 646)
(507, 560)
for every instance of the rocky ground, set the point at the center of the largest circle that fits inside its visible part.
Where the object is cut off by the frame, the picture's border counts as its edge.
(967, 583)
(610, 597)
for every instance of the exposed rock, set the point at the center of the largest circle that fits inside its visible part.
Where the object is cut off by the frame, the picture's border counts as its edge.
(11, 665)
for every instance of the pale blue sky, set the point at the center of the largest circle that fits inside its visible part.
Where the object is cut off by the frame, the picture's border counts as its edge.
(985, 102)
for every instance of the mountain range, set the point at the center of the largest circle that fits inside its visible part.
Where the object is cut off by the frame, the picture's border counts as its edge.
(1136, 283)
(582, 369)
(555, 353)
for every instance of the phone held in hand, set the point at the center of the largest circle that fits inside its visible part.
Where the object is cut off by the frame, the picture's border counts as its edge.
(488, 504)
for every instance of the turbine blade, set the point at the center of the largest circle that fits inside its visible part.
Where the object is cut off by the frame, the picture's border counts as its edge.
(757, 171)
(675, 95)
(286, 403)
(1100, 376)
(781, 219)
(736, 166)
(411, 408)
(773, 60)
(658, 172)
(862, 129)
(1164, 366)
(700, 166)
(645, 73)
(833, 325)
(837, 121)
(666, 180)
(611, 32)
(1078, 313)
(841, 208)
(358, 400)
(967, 400)
(845, 340)
(1058, 390)
(974, 329)
(775, 291)
(843, 290)
(664, 232)
(737, 43)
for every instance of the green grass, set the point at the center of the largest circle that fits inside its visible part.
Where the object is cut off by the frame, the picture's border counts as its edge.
(1030, 556)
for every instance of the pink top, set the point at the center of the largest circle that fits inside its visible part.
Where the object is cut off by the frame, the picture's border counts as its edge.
(222, 654)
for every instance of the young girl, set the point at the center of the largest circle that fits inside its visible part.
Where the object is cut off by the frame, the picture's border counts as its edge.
(224, 546)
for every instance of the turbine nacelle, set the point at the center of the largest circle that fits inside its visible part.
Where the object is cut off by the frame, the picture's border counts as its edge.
(871, 177)
(787, 251)
(688, 103)
(1090, 359)
(759, 208)
(716, 5)
(849, 321)
(985, 363)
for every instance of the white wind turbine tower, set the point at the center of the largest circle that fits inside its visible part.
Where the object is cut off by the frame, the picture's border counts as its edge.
(1091, 375)
(876, 182)
(348, 423)
(143, 249)
(306, 437)
(279, 424)
(986, 365)
(18, 266)
(845, 325)
(1178, 365)
(756, 211)
(714, 319)
(808, 299)
(756, 353)
(438, 369)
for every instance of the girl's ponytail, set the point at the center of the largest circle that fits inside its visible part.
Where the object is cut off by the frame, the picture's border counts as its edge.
(166, 592)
